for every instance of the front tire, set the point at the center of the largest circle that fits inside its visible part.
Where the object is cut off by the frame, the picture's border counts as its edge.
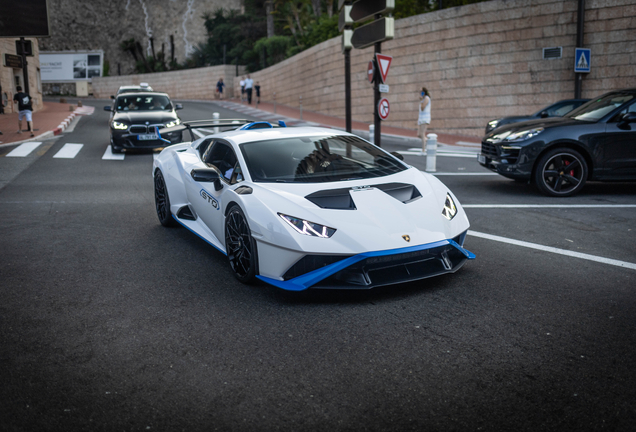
(240, 246)
(162, 201)
(561, 172)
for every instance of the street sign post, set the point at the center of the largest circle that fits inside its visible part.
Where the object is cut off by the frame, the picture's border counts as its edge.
(375, 32)
(384, 63)
(582, 60)
(383, 109)
(363, 10)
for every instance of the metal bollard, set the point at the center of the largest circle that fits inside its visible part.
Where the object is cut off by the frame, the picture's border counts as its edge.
(300, 101)
(216, 116)
(431, 152)
(372, 134)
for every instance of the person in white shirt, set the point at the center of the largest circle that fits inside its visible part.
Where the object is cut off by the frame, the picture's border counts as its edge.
(424, 118)
(249, 83)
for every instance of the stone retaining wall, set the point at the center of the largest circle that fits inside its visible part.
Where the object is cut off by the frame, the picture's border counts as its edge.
(479, 62)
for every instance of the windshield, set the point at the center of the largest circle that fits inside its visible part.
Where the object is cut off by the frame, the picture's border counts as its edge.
(599, 108)
(317, 159)
(143, 103)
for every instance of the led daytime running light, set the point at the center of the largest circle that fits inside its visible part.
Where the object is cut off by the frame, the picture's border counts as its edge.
(308, 228)
(450, 210)
(120, 126)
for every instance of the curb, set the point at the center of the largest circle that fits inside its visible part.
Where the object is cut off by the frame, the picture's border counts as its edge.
(60, 128)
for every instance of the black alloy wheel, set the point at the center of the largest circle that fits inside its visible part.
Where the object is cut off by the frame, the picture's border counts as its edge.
(162, 201)
(561, 172)
(240, 246)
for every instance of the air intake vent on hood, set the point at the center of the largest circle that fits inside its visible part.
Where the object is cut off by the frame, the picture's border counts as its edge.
(400, 191)
(337, 199)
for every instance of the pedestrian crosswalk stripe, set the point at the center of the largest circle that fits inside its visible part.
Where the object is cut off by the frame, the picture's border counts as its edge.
(109, 155)
(24, 149)
(69, 151)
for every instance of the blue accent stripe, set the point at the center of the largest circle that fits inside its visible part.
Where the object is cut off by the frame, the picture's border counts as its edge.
(305, 281)
(162, 139)
(197, 234)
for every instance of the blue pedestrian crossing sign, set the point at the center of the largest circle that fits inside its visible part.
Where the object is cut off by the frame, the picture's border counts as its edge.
(582, 60)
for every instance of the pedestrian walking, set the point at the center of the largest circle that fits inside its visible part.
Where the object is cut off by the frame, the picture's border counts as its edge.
(257, 87)
(424, 118)
(24, 109)
(219, 87)
(249, 84)
(242, 83)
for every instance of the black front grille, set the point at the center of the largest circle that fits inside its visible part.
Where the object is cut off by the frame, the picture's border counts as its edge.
(391, 269)
(310, 263)
(138, 129)
(489, 150)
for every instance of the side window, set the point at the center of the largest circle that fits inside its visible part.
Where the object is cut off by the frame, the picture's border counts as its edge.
(560, 111)
(629, 109)
(203, 147)
(222, 157)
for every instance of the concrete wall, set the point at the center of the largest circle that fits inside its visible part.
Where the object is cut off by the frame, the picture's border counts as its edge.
(7, 81)
(479, 61)
(185, 84)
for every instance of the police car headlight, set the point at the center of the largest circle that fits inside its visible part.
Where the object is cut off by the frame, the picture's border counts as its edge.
(120, 126)
(173, 123)
(305, 227)
(450, 210)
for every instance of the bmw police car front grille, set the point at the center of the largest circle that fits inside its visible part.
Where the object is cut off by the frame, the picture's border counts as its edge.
(138, 129)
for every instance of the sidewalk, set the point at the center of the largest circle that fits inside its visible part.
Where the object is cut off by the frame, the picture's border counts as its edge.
(45, 122)
(336, 122)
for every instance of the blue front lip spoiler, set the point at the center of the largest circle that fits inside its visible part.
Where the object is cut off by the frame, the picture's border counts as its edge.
(305, 281)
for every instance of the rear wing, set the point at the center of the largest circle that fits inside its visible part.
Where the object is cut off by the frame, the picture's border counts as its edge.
(200, 128)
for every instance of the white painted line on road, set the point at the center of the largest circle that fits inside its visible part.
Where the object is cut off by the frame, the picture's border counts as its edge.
(559, 206)
(588, 257)
(23, 150)
(463, 174)
(69, 151)
(109, 155)
(441, 153)
(469, 144)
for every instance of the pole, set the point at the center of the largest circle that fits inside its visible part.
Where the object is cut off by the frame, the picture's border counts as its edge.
(580, 33)
(376, 101)
(25, 69)
(348, 90)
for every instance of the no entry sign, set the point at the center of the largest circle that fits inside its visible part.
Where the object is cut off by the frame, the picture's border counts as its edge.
(383, 109)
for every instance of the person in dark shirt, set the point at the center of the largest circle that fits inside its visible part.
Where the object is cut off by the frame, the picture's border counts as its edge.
(24, 110)
(257, 87)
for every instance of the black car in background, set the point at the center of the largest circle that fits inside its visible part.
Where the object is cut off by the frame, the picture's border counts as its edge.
(136, 118)
(596, 141)
(557, 109)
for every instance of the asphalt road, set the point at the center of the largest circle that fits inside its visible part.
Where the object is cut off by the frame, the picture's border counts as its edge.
(108, 321)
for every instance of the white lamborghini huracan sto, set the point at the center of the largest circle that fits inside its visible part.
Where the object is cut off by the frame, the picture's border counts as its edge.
(310, 207)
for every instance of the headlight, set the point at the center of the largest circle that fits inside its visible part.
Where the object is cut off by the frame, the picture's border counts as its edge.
(308, 228)
(450, 210)
(120, 126)
(523, 135)
(173, 123)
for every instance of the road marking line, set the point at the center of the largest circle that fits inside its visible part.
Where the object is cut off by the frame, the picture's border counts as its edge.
(109, 155)
(69, 151)
(463, 174)
(560, 206)
(588, 257)
(441, 153)
(23, 150)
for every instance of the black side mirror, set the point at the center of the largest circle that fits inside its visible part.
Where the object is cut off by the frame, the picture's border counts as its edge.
(207, 175)
(178, 107)
(107, 108)
(629, 117)
(397, 155)
(544, 114)
(112, 97)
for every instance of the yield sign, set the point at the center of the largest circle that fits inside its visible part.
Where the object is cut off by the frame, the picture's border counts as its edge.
(384, 63)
